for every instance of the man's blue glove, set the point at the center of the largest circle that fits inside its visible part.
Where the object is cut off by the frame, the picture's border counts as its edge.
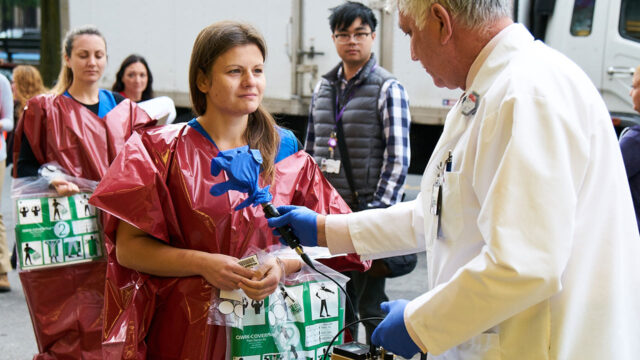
(242, 166)
(391, 333)
(303, 221)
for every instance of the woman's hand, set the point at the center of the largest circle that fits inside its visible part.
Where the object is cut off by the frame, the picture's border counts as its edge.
(64, 187)
(137, 250)
(224, 272)
(265, 280)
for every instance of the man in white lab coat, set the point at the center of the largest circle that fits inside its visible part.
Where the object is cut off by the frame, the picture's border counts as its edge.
(524, 211)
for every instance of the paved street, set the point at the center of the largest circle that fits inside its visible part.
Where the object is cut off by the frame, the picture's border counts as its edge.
(17, 341)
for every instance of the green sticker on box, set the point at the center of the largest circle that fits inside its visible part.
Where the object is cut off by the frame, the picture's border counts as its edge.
(55, 231)
(295, 322)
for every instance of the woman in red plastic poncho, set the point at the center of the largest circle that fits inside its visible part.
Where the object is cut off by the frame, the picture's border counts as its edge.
(176, 243)
(82, 128)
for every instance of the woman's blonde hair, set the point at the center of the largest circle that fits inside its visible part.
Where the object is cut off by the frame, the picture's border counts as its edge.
(27, 84)
(211, 43)
(65, 78)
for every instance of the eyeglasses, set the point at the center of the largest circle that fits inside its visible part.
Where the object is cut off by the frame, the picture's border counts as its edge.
(344, 38)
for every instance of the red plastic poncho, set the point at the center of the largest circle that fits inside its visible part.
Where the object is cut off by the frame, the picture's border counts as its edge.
(160, 183)
(66, 303)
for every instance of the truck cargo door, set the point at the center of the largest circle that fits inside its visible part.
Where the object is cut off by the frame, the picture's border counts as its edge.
(622, 54)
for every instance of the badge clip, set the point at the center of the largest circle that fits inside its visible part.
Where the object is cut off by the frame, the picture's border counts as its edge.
(470, 104)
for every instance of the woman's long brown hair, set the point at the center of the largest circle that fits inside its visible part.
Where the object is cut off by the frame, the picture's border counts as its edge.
(213, 41)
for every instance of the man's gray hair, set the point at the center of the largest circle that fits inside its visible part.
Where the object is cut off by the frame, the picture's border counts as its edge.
(472, 13)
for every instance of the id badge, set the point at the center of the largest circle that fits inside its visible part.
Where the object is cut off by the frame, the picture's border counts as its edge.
(470, 104)
(436, 201)
(330, 166)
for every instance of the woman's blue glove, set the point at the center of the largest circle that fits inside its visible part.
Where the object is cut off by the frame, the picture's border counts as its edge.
(242, 166)
(391, 333)
(303, 222)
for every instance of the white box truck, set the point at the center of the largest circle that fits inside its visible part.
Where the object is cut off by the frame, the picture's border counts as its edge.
(602, 36)
(298, 37)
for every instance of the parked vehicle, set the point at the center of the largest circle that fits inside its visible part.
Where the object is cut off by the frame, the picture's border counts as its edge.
(20, 45)
(25, 33)
(297, 33)
(602, 36)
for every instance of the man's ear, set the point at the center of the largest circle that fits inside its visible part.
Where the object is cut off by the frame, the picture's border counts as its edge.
(373, 35)
(203, 82)
(440, 14)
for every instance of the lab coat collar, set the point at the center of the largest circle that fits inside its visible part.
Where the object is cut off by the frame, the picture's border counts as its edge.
(494, 55)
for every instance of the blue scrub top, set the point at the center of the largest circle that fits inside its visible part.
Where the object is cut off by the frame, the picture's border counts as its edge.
(288, 141)
(106, 101)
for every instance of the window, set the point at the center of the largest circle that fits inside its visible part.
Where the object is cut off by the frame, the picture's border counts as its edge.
(582, 19)
(630, 19)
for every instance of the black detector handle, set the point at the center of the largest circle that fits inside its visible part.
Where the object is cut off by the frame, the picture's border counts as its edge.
(286, 232)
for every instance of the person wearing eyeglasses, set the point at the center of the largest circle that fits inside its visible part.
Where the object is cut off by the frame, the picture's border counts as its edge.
(360, 109)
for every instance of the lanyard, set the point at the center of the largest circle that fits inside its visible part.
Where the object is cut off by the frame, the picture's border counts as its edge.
(333, 138)
(339, 113)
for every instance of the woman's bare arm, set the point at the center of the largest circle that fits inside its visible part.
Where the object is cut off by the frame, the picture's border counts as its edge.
(137, 250)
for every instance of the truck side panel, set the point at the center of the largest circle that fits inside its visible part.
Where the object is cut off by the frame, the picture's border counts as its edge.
(163, 31)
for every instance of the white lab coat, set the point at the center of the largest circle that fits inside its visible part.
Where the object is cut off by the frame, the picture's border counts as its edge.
(538, 252)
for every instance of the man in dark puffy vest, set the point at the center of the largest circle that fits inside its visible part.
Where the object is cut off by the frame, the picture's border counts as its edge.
(373, 109)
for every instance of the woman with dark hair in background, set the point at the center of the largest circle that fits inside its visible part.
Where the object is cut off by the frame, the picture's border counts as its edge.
(179, 242)
(134, 80)
(82, 128)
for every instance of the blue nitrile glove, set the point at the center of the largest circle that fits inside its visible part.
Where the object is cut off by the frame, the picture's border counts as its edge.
(303, 221)
(391, 333)
(242, 166)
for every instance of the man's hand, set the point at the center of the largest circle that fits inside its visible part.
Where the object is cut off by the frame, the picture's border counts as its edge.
(392, 333)
(302, 220)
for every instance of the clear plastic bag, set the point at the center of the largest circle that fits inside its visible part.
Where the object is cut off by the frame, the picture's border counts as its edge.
(53, 230)
(297, 321)
(229, 308)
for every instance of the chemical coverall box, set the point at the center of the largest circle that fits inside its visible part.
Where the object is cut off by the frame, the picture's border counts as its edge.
(279, 329)
(56, 231)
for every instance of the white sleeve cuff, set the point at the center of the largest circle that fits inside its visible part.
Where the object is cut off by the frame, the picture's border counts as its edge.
(336, 229)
